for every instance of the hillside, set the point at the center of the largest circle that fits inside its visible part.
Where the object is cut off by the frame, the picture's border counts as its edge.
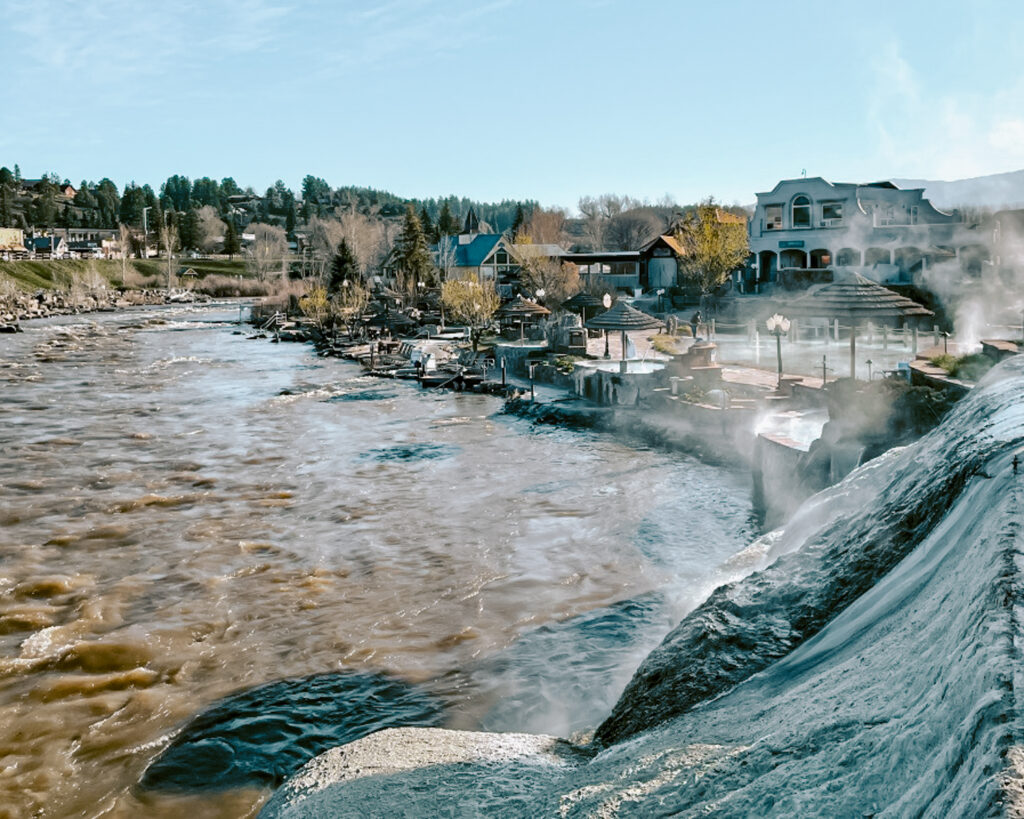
(997, 191)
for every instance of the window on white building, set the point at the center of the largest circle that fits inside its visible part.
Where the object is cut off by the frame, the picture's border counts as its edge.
(831, 212)
(773, 217)
(801, 212)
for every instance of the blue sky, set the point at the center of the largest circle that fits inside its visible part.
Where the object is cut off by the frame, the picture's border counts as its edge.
(494, 99)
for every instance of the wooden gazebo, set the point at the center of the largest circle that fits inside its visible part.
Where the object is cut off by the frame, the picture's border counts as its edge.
(857, 300)
(584, 301)
(624, 318)
(522, 312)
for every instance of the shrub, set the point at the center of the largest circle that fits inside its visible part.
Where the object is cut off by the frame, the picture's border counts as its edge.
(972, 367)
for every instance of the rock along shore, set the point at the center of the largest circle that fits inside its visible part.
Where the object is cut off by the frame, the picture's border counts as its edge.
(20, 306)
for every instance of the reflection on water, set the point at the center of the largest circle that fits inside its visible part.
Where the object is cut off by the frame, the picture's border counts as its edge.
(185, 514)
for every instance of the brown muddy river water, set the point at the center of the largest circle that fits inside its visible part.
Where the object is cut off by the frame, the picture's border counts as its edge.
(186, 514)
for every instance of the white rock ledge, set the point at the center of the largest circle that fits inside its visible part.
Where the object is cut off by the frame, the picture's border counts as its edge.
(453, 773)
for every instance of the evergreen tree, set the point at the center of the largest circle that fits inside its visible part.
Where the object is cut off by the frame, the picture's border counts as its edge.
(6, 212)
(428, 227)
(109, 202)
(344, 267)
(17, 174)
(289, 218)
(189, 230)
(446, 224)
(132, 203)
(518, 222)
(412, 256)
(232, 244)
(67, 218)
(6, 198)
(176, 193)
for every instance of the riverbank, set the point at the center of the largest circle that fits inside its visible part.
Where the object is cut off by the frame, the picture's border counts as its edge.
(18, 307)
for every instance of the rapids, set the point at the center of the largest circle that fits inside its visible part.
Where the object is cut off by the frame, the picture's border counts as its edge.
(187, 515)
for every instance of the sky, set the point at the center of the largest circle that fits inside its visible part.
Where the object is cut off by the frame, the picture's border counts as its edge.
(520, 99)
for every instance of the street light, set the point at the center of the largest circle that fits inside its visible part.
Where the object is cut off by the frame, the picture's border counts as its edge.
(778, 326)
(606, 300)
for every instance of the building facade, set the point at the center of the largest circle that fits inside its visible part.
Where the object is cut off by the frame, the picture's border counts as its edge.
(805, 227)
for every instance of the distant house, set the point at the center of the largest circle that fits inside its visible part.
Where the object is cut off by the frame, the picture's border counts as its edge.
(659, 262)
(12, 243)
(47, 247)
(86, 249)
(487, 255)
(31, 185)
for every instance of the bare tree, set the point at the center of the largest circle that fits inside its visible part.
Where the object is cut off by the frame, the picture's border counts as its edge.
(211, 229)
(125, 248)
(365, 235)
(546, 226)
(267, 251)
(632, 229)
(169, 240)
(558, 280)
(445, 257)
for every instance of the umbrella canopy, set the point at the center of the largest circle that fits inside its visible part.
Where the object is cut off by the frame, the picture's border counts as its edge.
(623, 317)
(855, 298)
(520, 308)
(582, 300)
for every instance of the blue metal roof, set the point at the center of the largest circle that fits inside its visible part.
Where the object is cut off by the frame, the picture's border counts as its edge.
(473, 253)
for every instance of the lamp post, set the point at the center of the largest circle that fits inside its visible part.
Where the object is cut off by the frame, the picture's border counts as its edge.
(606, 300)
(778, 326)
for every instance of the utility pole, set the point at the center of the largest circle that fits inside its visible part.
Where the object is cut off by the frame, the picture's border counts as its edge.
(145, 233)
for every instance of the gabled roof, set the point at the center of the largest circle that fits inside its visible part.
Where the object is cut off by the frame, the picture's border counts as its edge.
(473, 253)
(669, 240)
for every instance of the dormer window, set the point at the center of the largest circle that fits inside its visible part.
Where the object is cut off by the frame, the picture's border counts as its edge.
(801, 212)
(501, 257)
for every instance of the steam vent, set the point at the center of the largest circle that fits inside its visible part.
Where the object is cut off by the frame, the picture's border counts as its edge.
(866, 664)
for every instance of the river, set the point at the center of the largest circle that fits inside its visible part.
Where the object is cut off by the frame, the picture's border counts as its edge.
(186, 513)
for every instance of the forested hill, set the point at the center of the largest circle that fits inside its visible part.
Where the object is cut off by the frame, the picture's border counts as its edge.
(54, 201)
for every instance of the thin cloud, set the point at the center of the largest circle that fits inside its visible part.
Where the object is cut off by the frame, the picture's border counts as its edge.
(943, 135)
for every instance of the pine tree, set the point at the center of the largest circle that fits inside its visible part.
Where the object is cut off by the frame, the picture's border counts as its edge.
(232, 245)
(17, 174)
(446, 224)
(411, 252)
(518, 222)
(189, 230)
(428, 226)
(289, 218)
(344, 268)
(6, 195)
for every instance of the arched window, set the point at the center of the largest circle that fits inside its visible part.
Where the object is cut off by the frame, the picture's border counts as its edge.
(801, 212)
